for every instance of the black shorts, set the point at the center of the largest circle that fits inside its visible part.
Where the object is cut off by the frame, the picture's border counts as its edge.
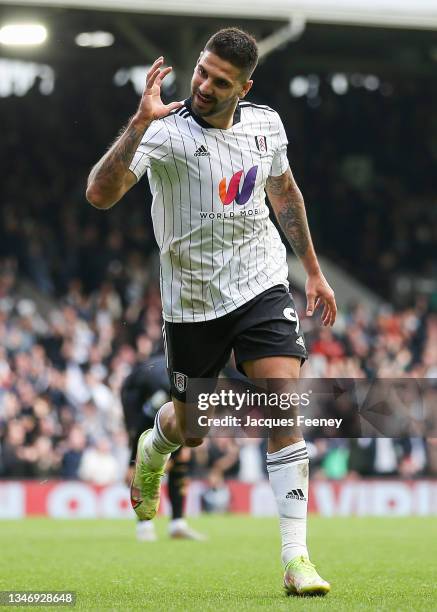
(266, 326)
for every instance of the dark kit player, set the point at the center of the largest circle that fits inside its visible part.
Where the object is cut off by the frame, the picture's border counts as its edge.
(210, 161)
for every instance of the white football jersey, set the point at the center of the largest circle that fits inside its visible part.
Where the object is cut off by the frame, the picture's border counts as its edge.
(219, 248)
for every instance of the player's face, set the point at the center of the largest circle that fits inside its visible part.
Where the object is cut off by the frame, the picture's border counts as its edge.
(216, 86)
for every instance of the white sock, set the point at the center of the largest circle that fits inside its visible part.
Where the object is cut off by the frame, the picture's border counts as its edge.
(145, 526)
(176, 525)
(288, 475)
(157, 448)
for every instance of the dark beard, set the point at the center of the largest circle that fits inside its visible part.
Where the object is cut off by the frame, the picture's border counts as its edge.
(203, 112)
(215, 109)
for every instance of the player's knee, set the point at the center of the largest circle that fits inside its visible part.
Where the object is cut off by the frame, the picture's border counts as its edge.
(192, 442)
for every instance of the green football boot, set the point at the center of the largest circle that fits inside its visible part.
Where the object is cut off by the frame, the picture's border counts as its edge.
(301, 578)
(146, 484)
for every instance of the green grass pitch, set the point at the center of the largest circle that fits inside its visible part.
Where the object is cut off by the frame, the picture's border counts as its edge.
(372, 564)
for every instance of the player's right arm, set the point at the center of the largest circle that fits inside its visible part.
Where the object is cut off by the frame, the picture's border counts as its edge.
(111, 178)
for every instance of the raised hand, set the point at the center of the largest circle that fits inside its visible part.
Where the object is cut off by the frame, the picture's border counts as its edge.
(151, 106)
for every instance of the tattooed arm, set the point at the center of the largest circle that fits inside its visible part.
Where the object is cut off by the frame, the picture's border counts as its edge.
(111, 178)
(289, 207)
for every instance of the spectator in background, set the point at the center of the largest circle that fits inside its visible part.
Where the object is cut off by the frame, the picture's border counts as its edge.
(72, 453)
(98, 465)
(386, 457)
(13, 456)
(43, 457)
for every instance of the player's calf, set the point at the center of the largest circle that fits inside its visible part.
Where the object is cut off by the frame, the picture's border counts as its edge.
(186, 416)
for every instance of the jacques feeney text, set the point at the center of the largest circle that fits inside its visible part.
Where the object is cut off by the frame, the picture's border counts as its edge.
(250, 421)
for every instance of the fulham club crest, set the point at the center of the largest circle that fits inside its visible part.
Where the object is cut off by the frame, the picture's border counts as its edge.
(261, 144)
(180, 381)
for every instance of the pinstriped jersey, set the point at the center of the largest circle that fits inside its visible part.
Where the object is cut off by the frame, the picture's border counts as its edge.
(218, 246)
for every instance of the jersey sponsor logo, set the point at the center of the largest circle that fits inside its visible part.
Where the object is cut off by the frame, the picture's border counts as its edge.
(233, 192)
(244, 212)
(202, 151)
(261, 144)
(180, 381)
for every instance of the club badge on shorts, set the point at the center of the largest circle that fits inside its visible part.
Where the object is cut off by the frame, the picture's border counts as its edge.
(180, 381)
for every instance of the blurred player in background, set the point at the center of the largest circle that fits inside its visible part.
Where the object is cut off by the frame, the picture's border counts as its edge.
(143, 392)
(224, 277)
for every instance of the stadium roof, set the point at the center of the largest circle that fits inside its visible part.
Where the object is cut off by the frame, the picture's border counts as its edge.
(303, 43)
(386, 13)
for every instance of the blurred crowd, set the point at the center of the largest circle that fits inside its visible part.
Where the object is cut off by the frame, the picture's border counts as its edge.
(365, 162)
(61, 371)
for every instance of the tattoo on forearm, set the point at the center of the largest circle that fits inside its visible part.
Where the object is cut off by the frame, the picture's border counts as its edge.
(291, 214)
(275, 185)
(115, 163)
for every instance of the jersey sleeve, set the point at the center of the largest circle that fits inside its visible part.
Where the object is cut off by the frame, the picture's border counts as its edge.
(153, 147)
(280, 159)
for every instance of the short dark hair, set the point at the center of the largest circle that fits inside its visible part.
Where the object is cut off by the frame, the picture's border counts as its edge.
(236, 47)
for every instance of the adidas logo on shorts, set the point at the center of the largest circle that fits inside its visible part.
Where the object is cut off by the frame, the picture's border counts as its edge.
(202, 151)
(300, 342)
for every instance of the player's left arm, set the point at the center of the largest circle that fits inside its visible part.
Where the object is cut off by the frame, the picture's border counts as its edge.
(289, 207)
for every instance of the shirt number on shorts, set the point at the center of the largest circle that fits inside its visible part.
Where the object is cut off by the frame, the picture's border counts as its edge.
(291, 315)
